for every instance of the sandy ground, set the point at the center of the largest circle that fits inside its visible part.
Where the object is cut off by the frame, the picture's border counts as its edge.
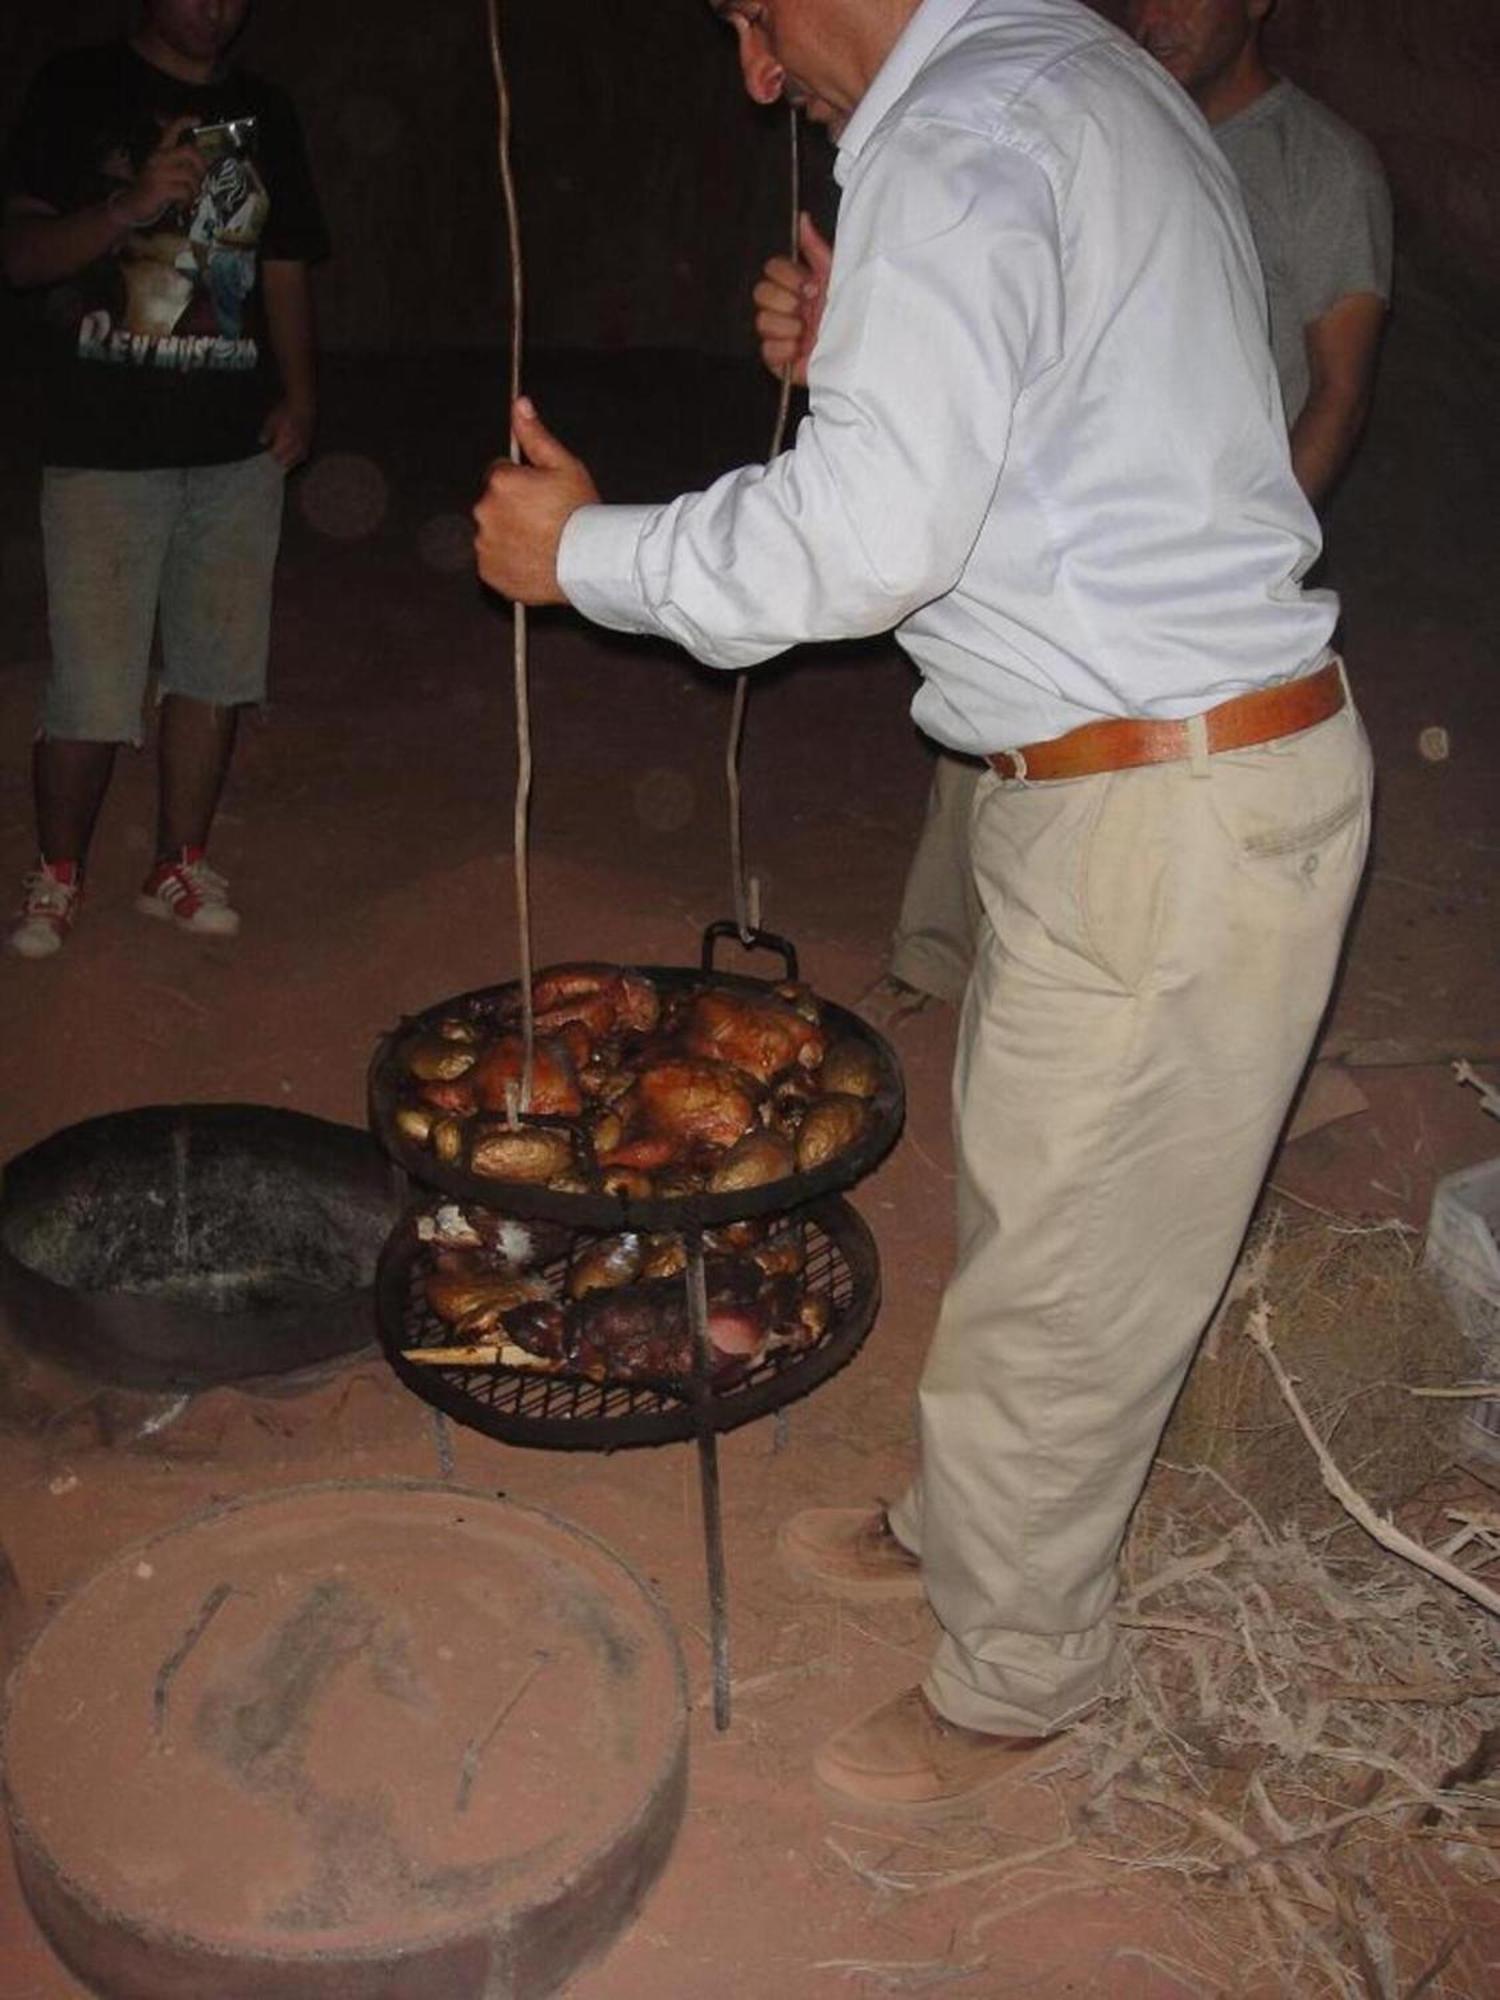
(367, 835)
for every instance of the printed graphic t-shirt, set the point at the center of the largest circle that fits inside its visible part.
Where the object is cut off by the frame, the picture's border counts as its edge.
(158, 353)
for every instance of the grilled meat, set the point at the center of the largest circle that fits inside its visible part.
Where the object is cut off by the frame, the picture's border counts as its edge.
(554, 1077)
(603, 998)
(663, 1257)
(642, 1331)
(456, 1096)
(759, 1036)
(691, 1105)
(600, 1266)
(540, 1328)
(475, 1302)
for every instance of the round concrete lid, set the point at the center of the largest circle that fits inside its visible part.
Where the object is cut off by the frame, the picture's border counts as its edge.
(344, 1742)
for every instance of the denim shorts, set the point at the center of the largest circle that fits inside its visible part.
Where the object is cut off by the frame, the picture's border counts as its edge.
(196, 543)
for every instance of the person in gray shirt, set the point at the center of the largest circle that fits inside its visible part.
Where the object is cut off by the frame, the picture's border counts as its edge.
(1319, 210)
(1320, 213)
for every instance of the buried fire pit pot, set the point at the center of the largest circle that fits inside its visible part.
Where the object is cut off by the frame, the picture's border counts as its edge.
(383, 1741)
(178, 1246)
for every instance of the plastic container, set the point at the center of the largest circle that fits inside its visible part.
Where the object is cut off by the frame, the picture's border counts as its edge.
(1463, 1255)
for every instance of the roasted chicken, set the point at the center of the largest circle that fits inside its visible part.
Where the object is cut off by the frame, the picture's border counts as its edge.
(555, 1093)
(605, 999)
(678, 1108)
(759, 1036)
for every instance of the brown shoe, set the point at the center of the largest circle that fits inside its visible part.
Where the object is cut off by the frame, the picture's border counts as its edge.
(904, 1756)
(851, 1553)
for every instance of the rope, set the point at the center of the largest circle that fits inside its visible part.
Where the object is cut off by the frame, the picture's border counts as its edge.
(520, 1102)
(794, 177)
(747, 889)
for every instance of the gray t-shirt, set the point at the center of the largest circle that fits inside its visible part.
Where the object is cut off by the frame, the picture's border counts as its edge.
(1320, 213)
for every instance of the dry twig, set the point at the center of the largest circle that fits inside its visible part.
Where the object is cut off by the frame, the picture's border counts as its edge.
(1385, 1532)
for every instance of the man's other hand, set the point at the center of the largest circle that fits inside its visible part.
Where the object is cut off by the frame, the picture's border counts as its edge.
(287, 433)
(789, 302)
(523, 510)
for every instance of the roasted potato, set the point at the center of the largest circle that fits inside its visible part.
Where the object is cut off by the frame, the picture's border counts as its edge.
(436, 1059)
(447, 1140)
(850, 1068)
(415, 1122)
(453, 1029)
(797, 993)
(607, 1130)
(499, 1152)
(831, 1126)
(751, 1162)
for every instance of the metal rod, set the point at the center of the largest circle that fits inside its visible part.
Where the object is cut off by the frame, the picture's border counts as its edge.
(708, 1476)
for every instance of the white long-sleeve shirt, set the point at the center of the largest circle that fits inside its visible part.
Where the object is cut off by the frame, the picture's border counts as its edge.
(1044, 442)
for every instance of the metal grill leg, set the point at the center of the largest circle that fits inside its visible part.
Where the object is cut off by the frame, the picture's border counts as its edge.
(718, 1602)
(708, 1477)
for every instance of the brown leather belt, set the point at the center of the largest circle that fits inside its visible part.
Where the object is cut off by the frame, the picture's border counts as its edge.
(1260, 716)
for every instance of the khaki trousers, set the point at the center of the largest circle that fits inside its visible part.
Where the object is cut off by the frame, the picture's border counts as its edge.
(932, 948)
(1157, 950)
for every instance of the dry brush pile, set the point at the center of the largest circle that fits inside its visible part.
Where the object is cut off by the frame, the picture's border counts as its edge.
(1306, 1745)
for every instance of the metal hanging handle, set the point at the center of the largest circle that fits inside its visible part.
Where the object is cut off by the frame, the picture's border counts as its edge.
(726, 927)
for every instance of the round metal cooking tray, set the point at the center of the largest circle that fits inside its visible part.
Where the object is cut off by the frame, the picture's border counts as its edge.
(607, 1211)
(559, 1411)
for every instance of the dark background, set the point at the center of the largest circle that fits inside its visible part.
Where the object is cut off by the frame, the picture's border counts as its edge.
(651, 189)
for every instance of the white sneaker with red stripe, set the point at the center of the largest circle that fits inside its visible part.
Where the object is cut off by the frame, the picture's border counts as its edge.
(186, 892)
(50, 901)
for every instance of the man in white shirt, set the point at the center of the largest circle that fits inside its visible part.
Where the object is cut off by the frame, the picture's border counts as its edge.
(1045, 445)
(1320, 214)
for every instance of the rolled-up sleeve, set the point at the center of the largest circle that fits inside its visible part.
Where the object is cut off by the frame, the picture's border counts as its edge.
(945, 302)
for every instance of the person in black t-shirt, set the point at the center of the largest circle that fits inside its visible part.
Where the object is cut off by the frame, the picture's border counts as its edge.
(161, 205)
